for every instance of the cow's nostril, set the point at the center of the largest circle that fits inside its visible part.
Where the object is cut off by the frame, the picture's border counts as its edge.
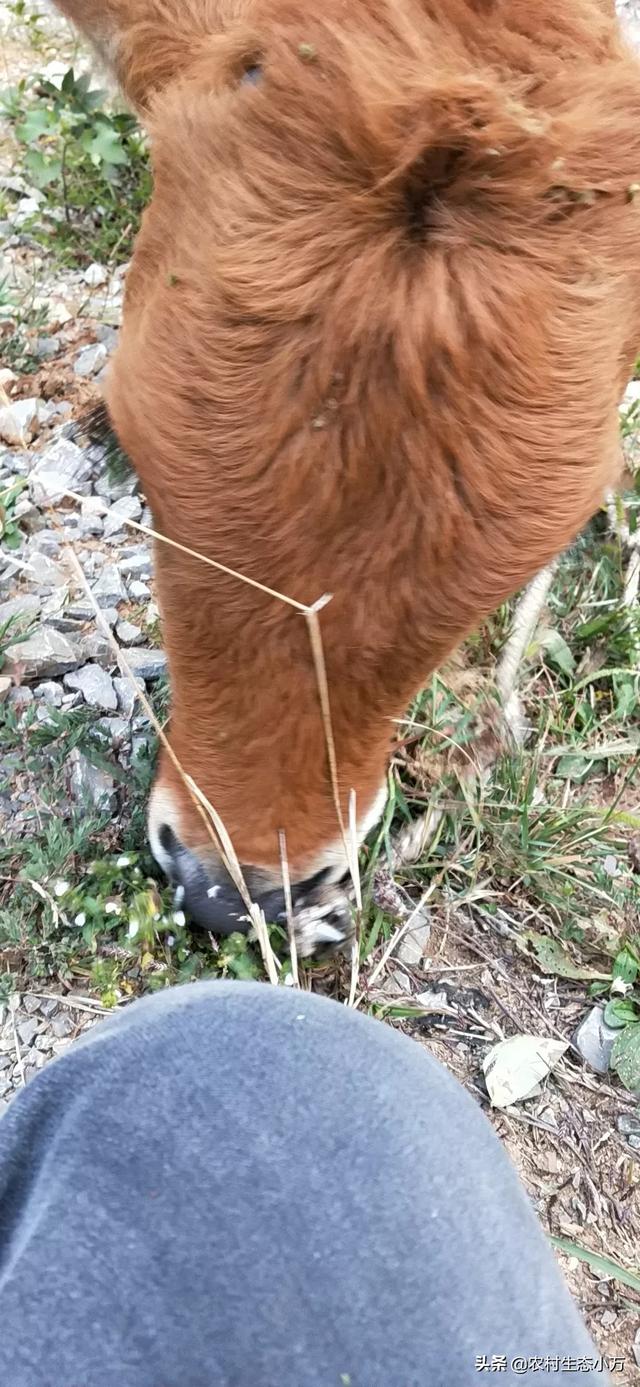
(168, 841)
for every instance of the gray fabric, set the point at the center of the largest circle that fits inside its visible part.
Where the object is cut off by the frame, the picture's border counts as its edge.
(234, 1185)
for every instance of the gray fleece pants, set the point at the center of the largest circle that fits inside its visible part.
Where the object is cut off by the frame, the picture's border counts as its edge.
(232, 1185)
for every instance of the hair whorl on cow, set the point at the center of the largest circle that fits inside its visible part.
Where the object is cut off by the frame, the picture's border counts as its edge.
(379, 318)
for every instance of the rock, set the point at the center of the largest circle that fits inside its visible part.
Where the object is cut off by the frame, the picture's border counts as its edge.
(47, 574)
(636, 1347)
(111, 615)
(95, 275)
(20, 698)
(92, 562)
(90, 360)
(18, 463)
(21, 609)
(48, 1006)
(127, 508)
(72, 700)
(139, 591)
(30, 1004)
(141, 745)
(112, 490)
(46, 347)
(107, 335)
(593, 1040)
(62, 468)
(91, 516)
(413, 944)
(17, 420)
(137, 563)
(96, 647)
(46, 542)
(80, 611)
(147, 664)
(28, 1030)
(25, 511)
(45, 654)
(88, 784)
(115, 730)
(62, 1025)
(628, 1123)
(95, 686)
(128, 633)
(5, 688)
(49, 692)
(25, 208)
(109, 588)
(126, 696)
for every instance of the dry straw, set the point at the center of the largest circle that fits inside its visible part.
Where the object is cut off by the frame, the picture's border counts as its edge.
(209, 814)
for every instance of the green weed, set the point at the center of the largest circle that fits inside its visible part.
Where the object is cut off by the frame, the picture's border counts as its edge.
(89, 163)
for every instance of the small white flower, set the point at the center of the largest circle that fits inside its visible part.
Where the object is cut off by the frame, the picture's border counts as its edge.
(288, 980)
(60, 888)
(123, 862)
(171, 940)
(133, 929)
(179, 918)
(80, 919)
(112, 908)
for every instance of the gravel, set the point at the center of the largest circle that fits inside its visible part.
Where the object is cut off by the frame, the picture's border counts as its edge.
(91, 359)
(89, 785)
(63, 467)
(95, 686)
(109, 589)
(147, 664)
(127, 508)
(44, 654)
(129, 634)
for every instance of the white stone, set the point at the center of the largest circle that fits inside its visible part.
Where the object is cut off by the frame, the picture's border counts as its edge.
(95, 275)
(60, 469)
(17, 420)
(46, 653)
(95, 686)
(90, 360)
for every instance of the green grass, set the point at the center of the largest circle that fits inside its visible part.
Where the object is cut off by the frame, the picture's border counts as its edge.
(79, 895)
(88, 160)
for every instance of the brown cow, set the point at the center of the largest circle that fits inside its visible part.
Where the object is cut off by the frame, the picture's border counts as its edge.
(379, 318)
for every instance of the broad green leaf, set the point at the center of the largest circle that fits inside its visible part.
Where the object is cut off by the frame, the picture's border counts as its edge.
(551, 958)
(37, 122)
(12, 537)
(620, 1012)
(558, 652)
(574, 767)
(42, 171)
(604, 1265)
(105, 146)
(625, 1057)
(625, 966)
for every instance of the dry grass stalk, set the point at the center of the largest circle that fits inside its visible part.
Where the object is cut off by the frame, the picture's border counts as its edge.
(213, 563)
(397, 936)
(525, 621)
(354, 867)
(213, 823)
(18, 1051)
(310, 614)
(286, 886)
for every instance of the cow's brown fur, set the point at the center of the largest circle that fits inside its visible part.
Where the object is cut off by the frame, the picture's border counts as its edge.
(380, 315)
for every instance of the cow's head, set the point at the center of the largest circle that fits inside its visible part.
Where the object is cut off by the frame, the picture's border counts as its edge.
(377, 324)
